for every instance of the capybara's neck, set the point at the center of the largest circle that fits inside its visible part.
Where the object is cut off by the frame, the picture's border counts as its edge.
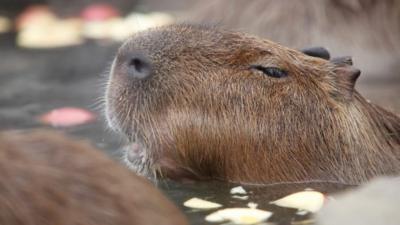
(381, 126)
(369, 141)
(387, 124)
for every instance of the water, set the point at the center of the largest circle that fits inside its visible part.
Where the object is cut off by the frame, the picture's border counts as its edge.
(262, 195)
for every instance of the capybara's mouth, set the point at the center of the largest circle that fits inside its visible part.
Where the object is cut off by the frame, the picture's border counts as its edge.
(133, 152)
(136, 158)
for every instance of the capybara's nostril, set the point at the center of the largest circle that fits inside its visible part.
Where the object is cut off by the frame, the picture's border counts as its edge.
(139, 67)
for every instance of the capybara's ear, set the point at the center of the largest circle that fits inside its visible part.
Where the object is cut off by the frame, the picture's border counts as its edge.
(319, 52)
(346, 77)
(342, 61)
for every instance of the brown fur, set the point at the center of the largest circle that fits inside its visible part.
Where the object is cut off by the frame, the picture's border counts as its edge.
(369, 30)
(205, 114)
(47, 179)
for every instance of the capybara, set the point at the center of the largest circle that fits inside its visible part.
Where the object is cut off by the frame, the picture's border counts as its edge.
(199, 102)
(376, 202)
(49, 179)
(369, 30)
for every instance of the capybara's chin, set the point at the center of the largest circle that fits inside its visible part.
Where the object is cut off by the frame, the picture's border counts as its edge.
(203, 103)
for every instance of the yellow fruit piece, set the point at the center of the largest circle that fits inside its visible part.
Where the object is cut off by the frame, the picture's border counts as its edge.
(311, 201)
(197, 203)
(239, 216)
(238, 190)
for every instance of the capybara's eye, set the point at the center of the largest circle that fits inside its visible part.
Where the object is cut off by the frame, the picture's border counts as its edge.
(270, 71)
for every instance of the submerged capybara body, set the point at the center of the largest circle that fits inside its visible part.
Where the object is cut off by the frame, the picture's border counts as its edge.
(200, 103)
(49, 179)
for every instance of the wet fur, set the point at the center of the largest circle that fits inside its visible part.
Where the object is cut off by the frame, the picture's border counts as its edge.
(204, 114)
(49, 179)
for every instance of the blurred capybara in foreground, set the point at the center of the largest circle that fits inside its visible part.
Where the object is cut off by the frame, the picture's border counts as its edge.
(369, 30)
(198, 102)
(376, 202)
(47, 179)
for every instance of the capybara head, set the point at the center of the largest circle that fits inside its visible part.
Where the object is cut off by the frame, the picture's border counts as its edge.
(201, 102)
(49, 179)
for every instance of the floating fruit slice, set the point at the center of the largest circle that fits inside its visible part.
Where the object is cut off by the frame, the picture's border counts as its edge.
(239, 216)
(241, 197)
(197, 203)
(50, 34)
(67, 117)
(238, 190)
(311, 201)
(138, 21)
(99, 12)
(252, 205)
(100, 21)
(35, 14)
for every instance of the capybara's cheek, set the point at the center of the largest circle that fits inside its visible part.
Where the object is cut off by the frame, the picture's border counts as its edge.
(120, 105)
(111, 108)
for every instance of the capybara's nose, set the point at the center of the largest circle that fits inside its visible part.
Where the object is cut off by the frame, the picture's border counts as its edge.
(139, 66)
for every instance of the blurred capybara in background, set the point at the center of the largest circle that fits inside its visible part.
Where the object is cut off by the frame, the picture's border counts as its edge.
(200, 102)
(48, 179)
(369, 30)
